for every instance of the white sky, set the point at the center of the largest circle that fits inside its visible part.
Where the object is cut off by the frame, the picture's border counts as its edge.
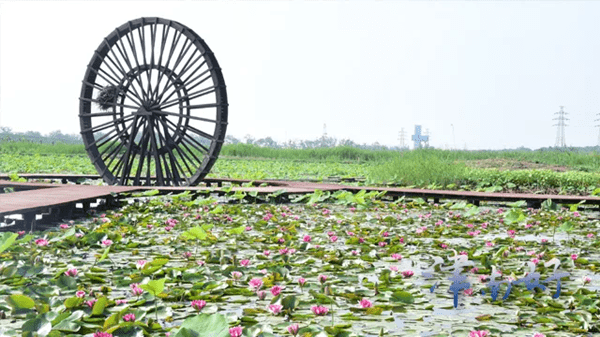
(497, 71)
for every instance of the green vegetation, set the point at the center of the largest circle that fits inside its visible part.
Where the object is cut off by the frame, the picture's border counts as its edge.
(45, 148)
(427, 168)
(336, 154)
(335, 264)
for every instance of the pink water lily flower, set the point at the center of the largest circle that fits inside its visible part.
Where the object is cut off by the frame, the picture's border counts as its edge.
(135, 289)
(408, 273)
(301, 281)
(322, 278)
(479, 333)
(275, 309)
(198, 304)
(244, 263)
(396, 256)
(129, 317)
(41, 242)
(261, 294)
(71, 272)
(235, 331)
(319, 310)
(307, 238)
(276, 290)
(106, 243)
(80, 294)
(293, 329)
(365, 303)
(255, 283)
(574, 257)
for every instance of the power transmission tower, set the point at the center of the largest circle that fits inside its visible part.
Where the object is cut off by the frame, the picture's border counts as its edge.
(427, 140)
(401, 135)
(598, 129)
(560, 134)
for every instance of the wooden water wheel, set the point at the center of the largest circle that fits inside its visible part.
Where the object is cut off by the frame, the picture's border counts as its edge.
(153, 105)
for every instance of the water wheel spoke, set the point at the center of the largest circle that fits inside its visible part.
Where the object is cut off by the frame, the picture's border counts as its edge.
(125, 158)
(165, 36)
(177, 79)
(159, 177)
(189, 96)
(167, 113)
(182, 155)
(189, 138)
(106, 125)
(121, 67)
(143, 144)
(167, 141)
(103, 114)
(135, 57)
(125, 56)
(188, 83)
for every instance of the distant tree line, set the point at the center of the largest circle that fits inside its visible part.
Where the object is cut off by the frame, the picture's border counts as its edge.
(321, 142)
(7, 135)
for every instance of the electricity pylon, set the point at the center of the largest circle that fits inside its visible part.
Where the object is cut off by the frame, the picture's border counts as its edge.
(560, 134)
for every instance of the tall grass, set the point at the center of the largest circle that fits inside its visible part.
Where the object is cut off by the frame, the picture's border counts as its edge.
(339, 154)
(588, 162)
(422, 167)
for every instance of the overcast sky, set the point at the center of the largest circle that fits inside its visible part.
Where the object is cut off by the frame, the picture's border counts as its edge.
(496, 71)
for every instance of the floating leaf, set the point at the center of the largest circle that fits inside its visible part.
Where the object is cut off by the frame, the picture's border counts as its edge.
(237, 230)
(38, 326)
(6, 240)
(154, 287)
(99, 306)
(19, 301)
(402, 296)
(203, 325)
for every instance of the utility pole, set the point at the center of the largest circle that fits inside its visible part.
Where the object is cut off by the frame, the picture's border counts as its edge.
(560, 133)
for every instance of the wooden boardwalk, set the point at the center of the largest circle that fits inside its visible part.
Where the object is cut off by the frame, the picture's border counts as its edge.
(58, 201)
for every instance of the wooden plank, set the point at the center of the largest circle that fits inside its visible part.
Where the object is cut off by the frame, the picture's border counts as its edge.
(41, 199)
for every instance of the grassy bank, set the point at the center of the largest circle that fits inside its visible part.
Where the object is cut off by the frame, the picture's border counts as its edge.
(428, 168)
